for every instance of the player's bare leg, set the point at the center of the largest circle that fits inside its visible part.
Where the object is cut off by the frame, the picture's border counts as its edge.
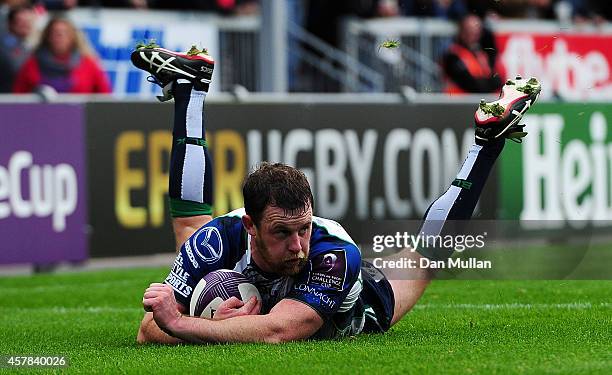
(407, 289)
(186, 77)
(495, 122)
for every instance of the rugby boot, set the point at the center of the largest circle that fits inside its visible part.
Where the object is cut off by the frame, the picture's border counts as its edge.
(167, 66)
(501, 118)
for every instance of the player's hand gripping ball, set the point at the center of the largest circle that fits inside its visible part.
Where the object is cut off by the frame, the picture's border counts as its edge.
(219, 286)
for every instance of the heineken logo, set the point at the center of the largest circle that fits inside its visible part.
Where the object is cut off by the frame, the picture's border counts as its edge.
(567, 178)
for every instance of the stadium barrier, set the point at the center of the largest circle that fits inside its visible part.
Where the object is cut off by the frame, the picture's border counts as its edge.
(367, 163)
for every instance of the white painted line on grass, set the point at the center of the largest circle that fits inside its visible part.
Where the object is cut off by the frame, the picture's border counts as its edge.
(69, 286)
(72, 310)
(459, 306)
(515, 306)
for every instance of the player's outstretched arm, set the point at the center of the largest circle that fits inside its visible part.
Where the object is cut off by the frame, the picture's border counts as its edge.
(149, 331)
(289, 320)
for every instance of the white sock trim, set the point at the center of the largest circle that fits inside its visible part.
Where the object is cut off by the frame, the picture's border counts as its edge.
(194, 164)
(194, 114)
(194, 168)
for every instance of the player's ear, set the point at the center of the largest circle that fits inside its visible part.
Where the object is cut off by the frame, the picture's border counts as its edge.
(249, 225)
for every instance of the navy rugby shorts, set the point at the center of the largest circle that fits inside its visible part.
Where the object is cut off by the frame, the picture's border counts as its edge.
(377, 296)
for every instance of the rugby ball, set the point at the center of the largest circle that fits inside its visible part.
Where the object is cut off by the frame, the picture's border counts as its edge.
(217, 287)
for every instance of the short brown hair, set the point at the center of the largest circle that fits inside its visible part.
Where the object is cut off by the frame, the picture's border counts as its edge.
(276, 185)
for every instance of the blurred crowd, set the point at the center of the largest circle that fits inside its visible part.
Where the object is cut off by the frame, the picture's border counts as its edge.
(60, 57)
(563, 10)
(576, 10)
(573, 10)
(220, 6)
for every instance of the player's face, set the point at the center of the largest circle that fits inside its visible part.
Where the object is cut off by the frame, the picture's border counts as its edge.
(283, 240)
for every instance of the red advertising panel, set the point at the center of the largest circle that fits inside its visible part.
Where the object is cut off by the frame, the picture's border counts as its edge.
(571, 66)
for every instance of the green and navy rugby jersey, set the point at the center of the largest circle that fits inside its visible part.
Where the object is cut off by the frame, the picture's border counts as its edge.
(330, 282)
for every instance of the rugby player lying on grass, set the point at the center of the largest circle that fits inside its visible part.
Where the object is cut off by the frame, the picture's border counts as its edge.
(307, 269)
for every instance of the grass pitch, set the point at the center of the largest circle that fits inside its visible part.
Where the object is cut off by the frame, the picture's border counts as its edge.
(458, 327)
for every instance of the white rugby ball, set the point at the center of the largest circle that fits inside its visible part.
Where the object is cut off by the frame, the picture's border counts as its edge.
(217, 287)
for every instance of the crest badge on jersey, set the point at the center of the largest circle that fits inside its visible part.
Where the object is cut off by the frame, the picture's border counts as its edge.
(207, 244)
(329, 269)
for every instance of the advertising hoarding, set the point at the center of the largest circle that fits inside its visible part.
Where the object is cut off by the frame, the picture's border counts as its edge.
(43, 213)
(573, 66)
(365, 162)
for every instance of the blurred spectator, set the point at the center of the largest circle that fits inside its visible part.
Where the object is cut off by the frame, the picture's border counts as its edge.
(14, 48)
(5, 8)
(387, 8)
(444, 9)
(467, 66)
(64, 61)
